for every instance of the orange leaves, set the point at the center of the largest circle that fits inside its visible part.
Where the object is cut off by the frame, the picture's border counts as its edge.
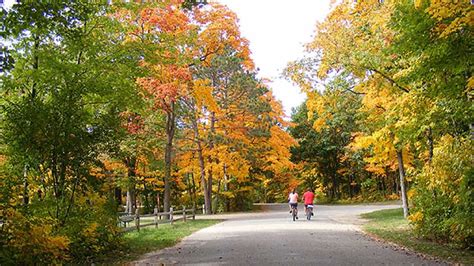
(228, 120)
(133, 123)
(167, 84)
(169, 20)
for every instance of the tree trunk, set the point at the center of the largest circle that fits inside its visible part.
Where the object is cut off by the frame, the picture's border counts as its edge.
(118, 195)
(383, 186)
(430, 144)
(350, 186)
(170, 129)
(396, 181)
(217, 196)
(401, 169)
(211, 147)
(128, 206)
(194, 187)
(130, 162)
(209, 190)
(158, 207)
(334, 186)
(167, 177)
(226, 188)
(189, 186)
(26, 198)
(207, 199)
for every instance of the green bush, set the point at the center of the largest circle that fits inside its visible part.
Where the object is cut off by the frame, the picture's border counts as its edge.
(93, 230)
(443, 202)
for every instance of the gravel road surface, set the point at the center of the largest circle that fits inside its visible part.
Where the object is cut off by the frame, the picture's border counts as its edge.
(270, 237)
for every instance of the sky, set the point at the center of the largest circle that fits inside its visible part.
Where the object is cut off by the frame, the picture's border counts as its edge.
(277, 31)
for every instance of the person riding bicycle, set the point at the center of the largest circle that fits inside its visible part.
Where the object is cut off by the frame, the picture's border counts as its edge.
(293, 201)
(308, 199)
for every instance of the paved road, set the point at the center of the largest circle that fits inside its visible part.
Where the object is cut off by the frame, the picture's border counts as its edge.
(333, 237)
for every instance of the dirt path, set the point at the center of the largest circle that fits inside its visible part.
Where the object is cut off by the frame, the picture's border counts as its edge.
(333, 237)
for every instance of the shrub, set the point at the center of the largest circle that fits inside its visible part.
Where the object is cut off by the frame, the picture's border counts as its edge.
(31, 240)
(92, 229)
(35, 238)
(443, 202)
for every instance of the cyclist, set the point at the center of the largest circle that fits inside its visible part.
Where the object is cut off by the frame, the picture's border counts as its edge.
(308, 198)
(293, 201)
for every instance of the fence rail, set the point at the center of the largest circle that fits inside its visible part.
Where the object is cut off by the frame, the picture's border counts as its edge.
(140, 219)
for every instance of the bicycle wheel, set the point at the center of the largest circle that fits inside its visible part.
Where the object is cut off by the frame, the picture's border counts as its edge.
(293, 213)
(308, 213)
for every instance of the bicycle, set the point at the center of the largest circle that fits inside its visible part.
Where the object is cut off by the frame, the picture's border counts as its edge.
(294, 212)
(309, 211)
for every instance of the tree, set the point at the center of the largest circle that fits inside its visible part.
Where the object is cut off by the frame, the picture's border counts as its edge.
(405, 61)
(61, 102)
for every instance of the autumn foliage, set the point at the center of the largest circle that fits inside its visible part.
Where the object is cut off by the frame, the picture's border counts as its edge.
(391, 77)
(128, 106)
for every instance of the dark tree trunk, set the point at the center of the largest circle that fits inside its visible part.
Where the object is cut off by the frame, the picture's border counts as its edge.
(350, 186)
(170, 129)
(217, 196)
(211, 160)
(207, 199)
(194, 187)
(118, 195)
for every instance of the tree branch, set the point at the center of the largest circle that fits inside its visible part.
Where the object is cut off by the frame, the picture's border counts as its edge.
(385, 76)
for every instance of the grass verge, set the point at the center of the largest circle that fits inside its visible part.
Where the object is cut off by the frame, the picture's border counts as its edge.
(391, 226)
(152, 239)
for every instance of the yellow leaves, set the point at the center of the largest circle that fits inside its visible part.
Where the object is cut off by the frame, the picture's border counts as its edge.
(451, 157)
(318, 105)
(452, 16)
(323, 70)
(218, 30)
(319, 124)
(202, 92)
(418, 3)
(416, 217)
(35, 238)
(90, 231)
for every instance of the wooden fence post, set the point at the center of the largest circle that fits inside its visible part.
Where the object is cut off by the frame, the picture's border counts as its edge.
(203, 209)
(137, 219)
(184, 213)
(156, 217)
(171, 215)
(194, 211)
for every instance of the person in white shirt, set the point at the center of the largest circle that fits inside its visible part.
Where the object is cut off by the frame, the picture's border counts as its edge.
(293, 201)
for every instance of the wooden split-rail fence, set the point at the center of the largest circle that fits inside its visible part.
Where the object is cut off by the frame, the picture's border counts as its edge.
(157, 218)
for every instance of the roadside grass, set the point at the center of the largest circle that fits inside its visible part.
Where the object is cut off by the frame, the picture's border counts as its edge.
(391, 226)
(151, 239)
(360, 202)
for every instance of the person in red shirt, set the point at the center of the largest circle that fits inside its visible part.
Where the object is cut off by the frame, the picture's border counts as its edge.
(308, 198)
